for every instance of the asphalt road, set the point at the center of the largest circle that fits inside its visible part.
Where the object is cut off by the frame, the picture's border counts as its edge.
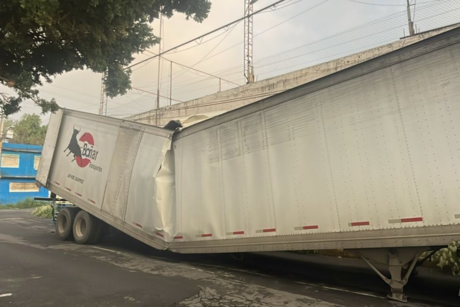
(36, 269)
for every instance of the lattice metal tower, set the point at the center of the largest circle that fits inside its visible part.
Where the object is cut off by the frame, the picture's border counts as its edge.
(103, 100)
(248, 41)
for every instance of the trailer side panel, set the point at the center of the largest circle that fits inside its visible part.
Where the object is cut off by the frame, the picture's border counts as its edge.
(373, 156)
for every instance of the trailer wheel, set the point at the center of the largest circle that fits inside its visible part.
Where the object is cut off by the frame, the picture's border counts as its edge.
(64, 223)
(86, 228)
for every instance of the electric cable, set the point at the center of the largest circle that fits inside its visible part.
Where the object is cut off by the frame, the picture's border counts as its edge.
(206, 34)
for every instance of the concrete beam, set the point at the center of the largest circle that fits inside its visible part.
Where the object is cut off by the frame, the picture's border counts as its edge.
(243, 95)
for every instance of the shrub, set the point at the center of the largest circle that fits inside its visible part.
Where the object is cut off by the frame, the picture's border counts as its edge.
(448, 257)
(23, 204)
(45, 211)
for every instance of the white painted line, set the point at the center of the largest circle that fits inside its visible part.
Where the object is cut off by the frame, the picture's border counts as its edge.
(111, 251)
(353, 292)
(338, 289)
(6, 294)
(307, 284)
(106, 249)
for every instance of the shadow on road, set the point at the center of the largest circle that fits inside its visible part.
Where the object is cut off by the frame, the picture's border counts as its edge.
(428, 285)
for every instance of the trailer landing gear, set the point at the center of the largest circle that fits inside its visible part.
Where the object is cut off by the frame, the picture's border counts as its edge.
(396, 260)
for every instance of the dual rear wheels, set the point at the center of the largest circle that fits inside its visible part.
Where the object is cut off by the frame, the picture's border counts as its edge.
(79, 225)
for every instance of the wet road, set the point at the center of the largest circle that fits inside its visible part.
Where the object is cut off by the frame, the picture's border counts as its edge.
(38, 270)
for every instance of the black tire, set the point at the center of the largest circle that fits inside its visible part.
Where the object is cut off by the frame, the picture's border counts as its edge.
(64, 223)
(86, 228)
(105, 231)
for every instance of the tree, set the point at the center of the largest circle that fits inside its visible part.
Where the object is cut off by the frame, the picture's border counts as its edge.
(43, 38)
(29, 130)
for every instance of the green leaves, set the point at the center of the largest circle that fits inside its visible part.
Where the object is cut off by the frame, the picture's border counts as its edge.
(29, 130)
(117, 81)
(43, 38)
(9, 105)
(449, 257)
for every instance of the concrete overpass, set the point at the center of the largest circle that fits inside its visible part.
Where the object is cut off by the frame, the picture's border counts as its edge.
(234, 98)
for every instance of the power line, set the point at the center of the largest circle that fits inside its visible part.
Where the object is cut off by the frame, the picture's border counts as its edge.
(135, 100)
(67, 97)
(382, 4)
(197, 70)
(203, 58)
(188, 68)
(199, 44)
(202, 43)
(218, 44)
(72, 99)
(271, 28)
(158, 96)
(373, 33)
(282, 7)
(265, 31)
(126, 105)
(206, 34)
(78, 92)
(192, 67)
(348, 36)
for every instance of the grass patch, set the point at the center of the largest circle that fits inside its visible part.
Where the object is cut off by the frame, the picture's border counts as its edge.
(23, 204)
(45, 211)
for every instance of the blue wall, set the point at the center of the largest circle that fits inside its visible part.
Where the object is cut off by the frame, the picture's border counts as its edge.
(7, 197)
(23, 173)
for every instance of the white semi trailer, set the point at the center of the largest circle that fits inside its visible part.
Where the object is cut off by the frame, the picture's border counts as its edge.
(366, 159)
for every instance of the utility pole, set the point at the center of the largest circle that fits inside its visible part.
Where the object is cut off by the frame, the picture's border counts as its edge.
(102, 102)
(159, 62)
(106, 104)
(159, 70)
(409, 19)
(2, 123)
(170, 82)
(248, 41)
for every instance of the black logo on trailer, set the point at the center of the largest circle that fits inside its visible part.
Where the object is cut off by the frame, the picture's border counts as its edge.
(74, 147)
(83, 155)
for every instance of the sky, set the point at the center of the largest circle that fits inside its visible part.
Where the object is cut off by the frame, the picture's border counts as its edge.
(279, 32)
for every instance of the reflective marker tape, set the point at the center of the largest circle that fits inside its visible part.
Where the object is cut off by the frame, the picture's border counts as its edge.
(205, 235)
(406, 220)
(412, 219)
(178, 237)
(306, 227)
(57, 183)
(159, 234)
(266, 230)
(235, 233)
(78, 194)
(365, 223)
(68, 189)
(138, 225)
(92, 201)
